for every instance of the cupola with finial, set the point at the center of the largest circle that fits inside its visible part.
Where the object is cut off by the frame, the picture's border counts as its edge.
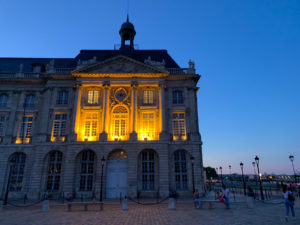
(127, 34)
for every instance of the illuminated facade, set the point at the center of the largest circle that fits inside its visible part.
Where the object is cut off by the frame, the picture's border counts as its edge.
(135, 108)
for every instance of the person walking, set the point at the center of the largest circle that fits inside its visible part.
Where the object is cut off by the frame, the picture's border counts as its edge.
(225, 192)
(289, 200)
(197, 200)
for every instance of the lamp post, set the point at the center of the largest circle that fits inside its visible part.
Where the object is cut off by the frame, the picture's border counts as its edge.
(260, 182)
(221, 174)
(244, 183)
(291, 157)
(253, 164)
(230, 174)
(101, 185)
(193, 177)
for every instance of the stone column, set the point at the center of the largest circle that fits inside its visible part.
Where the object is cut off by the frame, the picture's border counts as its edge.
(75, 114)
(163, 136)
(132, 173)
(43, 117)
(11, 117)
(164, 171)
(103, 135)
(133, 134)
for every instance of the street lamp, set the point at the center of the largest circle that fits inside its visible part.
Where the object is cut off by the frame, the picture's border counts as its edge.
(259, 177)
(244, 183)
(291, 157)
(101, 185)
(253, 164)
(221, 174)
(193, 177)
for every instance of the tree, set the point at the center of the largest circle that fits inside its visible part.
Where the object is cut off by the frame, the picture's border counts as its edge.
(210, 173)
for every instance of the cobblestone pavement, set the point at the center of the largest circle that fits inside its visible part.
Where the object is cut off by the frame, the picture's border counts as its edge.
(239, 214)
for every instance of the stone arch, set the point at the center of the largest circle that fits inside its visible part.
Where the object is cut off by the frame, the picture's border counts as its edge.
(148, 173)
(117, 154)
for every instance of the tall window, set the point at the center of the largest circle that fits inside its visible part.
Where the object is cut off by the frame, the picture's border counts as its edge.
(180, 170)
(59, 125)
(148, 97)
(54, 170)
(148, 171)
(62, 98)
(178, 126)
(29, 101)
(119, 122)
(3, 100)
(93, 96)
(148, 125)
(2, 125)
(90, 127)
(177, 97)
(17, 165)
(26, 125)
(87, 171)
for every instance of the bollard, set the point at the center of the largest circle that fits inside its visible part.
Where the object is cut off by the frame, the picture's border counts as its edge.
(172, 204)
(45, 206)
(125, 204)
(1, 205)
(250, 202)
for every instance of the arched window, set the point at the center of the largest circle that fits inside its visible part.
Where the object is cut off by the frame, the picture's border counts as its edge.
(17, 165)
(181, 180)
(54, 171)
(148, 170)
(120, 123)
(3, 100)
(87, 160)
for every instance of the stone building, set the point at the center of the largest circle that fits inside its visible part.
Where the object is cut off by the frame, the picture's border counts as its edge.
(123, 118)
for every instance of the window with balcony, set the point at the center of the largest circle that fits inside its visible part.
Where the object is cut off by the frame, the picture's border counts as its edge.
(29, 101)
(93, 97)
(119, 123)
(59, 127)
(3, 100)
(54, 171)
(25, 130)
(177, 97)
(91, 125)
(179, 131)
(148, 130)
(62, 98)
(148, 97)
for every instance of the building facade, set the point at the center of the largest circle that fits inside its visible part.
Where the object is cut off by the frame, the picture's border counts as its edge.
(126, 119)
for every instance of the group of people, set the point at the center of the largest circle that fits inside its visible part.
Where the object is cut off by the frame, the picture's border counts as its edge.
(223, 196)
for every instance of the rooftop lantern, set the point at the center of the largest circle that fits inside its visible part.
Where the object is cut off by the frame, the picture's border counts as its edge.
(127, 33)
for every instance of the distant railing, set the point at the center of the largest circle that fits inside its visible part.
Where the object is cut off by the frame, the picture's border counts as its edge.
(20, 75)
(63, 70)
(181, 71)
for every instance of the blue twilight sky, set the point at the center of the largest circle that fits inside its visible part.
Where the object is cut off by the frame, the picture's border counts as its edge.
(247, 52)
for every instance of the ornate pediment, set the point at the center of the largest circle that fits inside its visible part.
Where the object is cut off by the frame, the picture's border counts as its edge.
(119, 66)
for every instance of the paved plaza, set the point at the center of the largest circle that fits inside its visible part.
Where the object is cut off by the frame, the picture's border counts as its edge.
(263, 213)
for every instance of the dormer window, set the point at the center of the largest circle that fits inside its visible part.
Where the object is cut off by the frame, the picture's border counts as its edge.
(37, 67)
(148, 97)
(93, 97)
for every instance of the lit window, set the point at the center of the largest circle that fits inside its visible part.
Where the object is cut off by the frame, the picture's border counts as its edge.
(93, 97)
(148, 97)
(180, 170)
(25, 129)
(62, 98)
(86, 171)
(91, 122)
(3, 100)
(148, 126)
(59, 125)
(119, 122)
(2, 124)
(178, 126)
(29, 101)
(54, 170)
(177, 97)
(147, 170)
(17, 165)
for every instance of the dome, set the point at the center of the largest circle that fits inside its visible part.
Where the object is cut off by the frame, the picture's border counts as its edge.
(127, 26)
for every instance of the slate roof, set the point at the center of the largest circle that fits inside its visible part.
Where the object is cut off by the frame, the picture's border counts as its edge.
(13, 64)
